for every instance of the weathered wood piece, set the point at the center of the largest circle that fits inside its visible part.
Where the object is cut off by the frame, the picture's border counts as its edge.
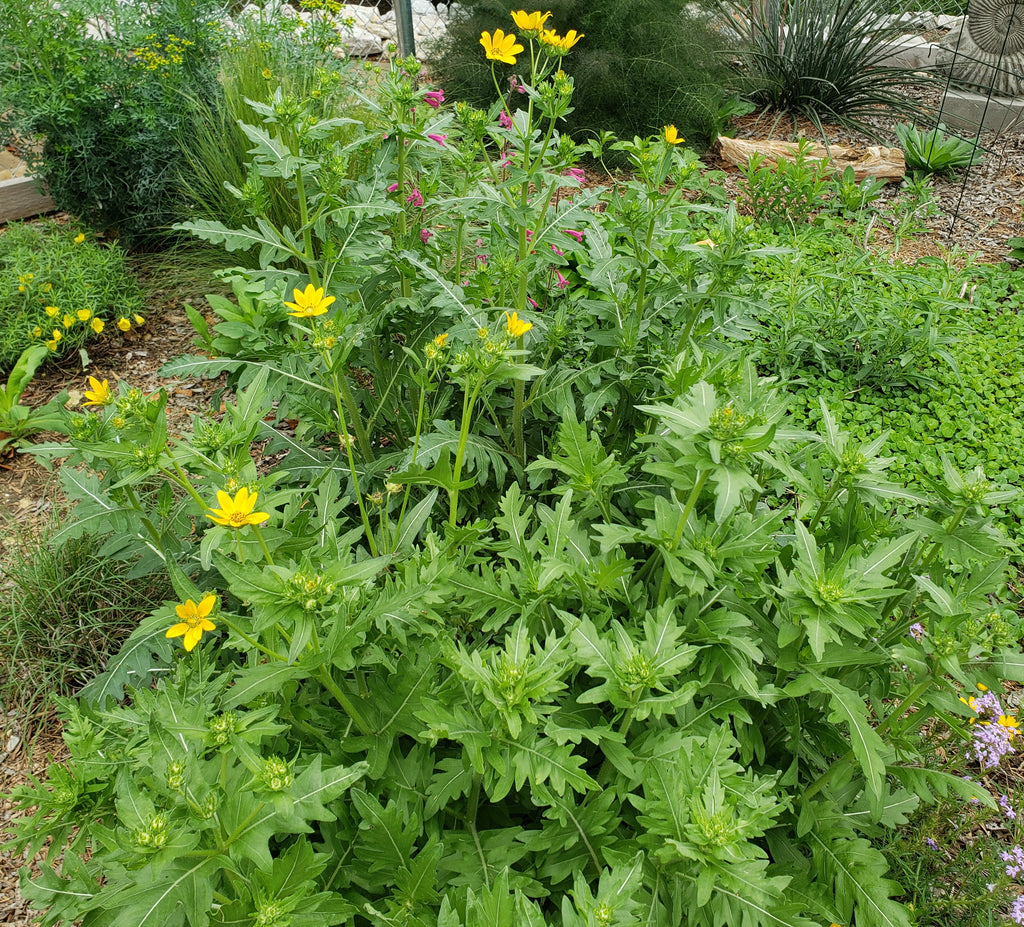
(20, 198)
(874, 161)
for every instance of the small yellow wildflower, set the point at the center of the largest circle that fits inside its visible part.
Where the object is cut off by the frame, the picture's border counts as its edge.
(501, 47)
(309, 302)
(515, 326)
(51, 344)
(194, 621)
(51, 311)
(1010, 723)
(561, 43)
(98, 394)
(267, 73)
(441, 339)
(530, 22)
(237, 512)
(83, 315)
(97, 325)
(706, 243)
(982, 687)
(57, 334)
(79, 238)
(139, 320)
(672, 136)
(123, 324)
(68, 320)
(37, 332)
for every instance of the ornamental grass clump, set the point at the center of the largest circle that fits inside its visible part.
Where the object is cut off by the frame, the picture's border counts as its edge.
(550, 614)
(822, 59)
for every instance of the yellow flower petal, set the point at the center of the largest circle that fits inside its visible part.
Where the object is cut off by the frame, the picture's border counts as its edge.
(672, 136)
(237, 512)
(515, 326)
(309, 302)
(500, 47)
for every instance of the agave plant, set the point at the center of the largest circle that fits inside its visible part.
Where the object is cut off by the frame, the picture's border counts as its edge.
(935, 152)
(822, 59)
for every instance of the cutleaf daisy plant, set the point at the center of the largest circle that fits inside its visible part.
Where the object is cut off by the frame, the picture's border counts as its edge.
(548, 91)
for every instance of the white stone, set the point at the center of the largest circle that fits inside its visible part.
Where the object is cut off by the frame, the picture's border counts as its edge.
(422, 7)
(962, 109)
(361, 43)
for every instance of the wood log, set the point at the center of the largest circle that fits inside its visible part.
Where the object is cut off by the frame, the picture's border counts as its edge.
(874, 161)
(20, 198)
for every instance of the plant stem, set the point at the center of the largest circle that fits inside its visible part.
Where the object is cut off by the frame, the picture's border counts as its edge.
(346, 703)
(468, 403)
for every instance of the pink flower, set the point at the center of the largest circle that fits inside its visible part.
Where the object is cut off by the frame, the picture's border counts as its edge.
(529, 235)
(505, 120)
(415, 198)
(425, 235)
(393, 188)
(577, 173)
(531, 302)
(561, 283)
(434, 98)
(440, 139)
(577, 235)
(558, 251)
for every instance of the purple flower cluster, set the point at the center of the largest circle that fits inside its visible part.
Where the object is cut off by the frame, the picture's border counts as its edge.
(1008, 810)
(993, 731)
(1017, 911)
(917, 630)
(1014, 860)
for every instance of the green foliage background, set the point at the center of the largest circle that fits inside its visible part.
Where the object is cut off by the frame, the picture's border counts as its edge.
(644, 64)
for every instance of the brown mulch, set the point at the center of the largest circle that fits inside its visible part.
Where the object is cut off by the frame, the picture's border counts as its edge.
(978, 210)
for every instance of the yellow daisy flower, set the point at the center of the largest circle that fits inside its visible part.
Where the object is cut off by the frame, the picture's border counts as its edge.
(500, 47)
(98, 394)
(309, 302)
(237, 512)
(672, 136)
(194, 621)
(515, 326)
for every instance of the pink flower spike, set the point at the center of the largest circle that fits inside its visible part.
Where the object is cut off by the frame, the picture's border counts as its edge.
(562, 283)
(440, 139)
(505, 120)
(425, 235)
(529, 235)
(415, 198)
(558, 251)
(577, 235)
(531, 302)
(434, 98)
(393, 188)
(577, 173)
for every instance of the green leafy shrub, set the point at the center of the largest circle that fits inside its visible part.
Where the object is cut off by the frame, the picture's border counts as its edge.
(539, 608)
(821, 59)
(935, 152)
(966, 411)
(644, 64)
(265, 55)
(789, 191)
(831, 309)
(101, 85)
(59, 287)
